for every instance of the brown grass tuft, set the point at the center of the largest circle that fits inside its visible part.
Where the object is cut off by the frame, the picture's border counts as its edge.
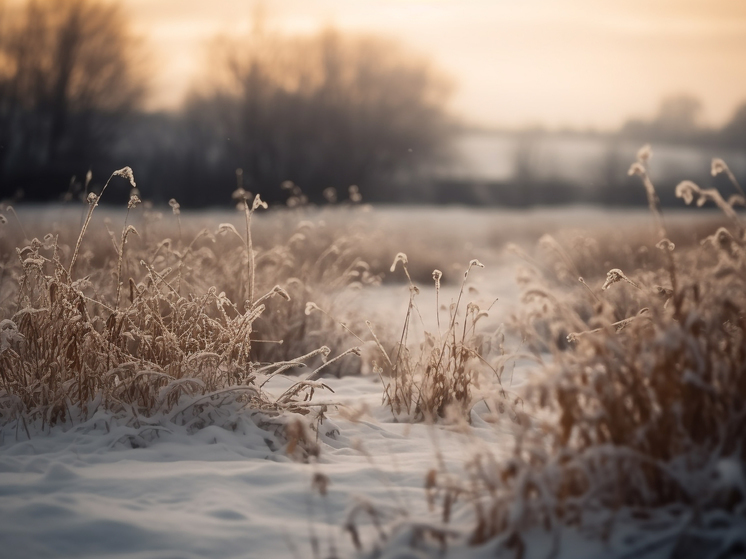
(139, 328)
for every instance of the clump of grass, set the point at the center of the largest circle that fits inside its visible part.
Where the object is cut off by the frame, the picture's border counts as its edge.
(326, 274)
(640, 413)
(437, 376)
(76, 337)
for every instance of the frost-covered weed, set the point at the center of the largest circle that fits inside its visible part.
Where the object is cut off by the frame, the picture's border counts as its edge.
(640, 409)
(437, 377)
(182, 331)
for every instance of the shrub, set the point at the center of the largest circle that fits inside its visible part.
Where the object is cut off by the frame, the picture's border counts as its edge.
(437, 377)
(77, 337)
(642, 409)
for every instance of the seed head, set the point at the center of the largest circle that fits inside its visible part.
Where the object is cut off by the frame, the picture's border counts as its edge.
(258, 203)
(355, 195)
(437, 274)
(615, 275)
(400, 257)
(665, 245)
(687, 189)
(126, 173)
(718, 166)
(175, 206)
(277, 290)
(330, 195)
(636, 169)
(644, 154)
(224, 228)
(663, 292)
(241, 194)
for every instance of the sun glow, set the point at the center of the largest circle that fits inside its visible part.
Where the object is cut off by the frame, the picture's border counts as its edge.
(571, 62)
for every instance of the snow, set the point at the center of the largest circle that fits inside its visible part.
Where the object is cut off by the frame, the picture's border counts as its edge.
(216, 493)
(83, 491)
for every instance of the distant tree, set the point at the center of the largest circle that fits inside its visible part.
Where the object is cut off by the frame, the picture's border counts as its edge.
(679, 115)
(67, 76)
(329, 110)
(678, 119)
(734, 132)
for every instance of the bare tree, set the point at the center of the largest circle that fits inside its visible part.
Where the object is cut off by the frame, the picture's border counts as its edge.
(734, 132)
(678, 119)
(679, 115)
(67, 73)
(326, 110)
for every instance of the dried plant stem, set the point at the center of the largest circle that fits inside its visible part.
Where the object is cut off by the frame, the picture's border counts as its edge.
(655, 205)
(437, 275)
(342, 324)
(379, 345)
(119, 260)
(185, 253)
(12, 210)
(249, 254)
(687, 190)
(719, 166)
(451, 328)
(298, 386)
(91, 207)
(581, 280)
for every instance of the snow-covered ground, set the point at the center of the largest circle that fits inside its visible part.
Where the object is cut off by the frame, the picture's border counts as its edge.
(84, 491)
(217, 493)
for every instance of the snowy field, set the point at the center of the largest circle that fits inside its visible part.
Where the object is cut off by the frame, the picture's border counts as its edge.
(102, 490)
(217, 493)
(86, 493)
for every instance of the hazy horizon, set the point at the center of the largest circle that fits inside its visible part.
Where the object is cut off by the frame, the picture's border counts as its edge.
(567, 63)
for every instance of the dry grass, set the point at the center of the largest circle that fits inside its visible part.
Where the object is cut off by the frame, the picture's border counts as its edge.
(641, 406)
(438, 377)
(187, 330)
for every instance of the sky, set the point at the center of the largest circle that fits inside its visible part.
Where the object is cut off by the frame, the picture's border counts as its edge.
(514, 63)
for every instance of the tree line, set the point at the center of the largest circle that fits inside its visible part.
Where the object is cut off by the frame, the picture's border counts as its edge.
(322, 112)
(292, 117)
(678, 120)
(67, 81)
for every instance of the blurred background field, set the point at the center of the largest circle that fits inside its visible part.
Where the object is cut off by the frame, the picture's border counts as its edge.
(415, 102)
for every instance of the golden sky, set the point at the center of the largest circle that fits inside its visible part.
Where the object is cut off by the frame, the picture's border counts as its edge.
(579, 63)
